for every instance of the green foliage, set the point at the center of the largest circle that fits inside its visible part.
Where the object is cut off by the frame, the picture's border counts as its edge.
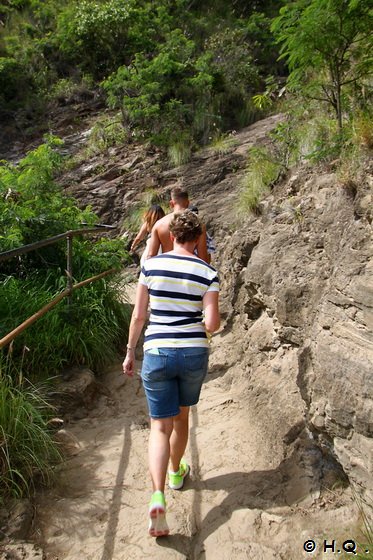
(266, 100)
(106, 133)
(179, 94)
(363, 128)
(311, 134)
(222, 144)
(152, 93)
(96, 34)
(27, 449)
(179, 153)
(11, 81)
(262, 172)
(263, 46)
(355, 150)
(33, 207)
(89, 333)
(175, 70)
(66, 89)
(328, 47)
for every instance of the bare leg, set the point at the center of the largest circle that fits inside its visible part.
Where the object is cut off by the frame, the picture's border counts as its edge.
(159, 450)
(179, 437)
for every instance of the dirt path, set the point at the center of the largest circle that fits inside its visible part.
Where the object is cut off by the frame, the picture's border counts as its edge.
(251, 494)
(242, 499)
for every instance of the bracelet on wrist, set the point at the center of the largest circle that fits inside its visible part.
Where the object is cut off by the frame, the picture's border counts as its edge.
(130, 347)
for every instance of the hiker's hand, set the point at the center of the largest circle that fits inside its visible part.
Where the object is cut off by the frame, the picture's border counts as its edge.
(129, 363)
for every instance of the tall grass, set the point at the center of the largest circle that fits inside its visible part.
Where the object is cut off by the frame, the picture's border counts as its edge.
(367, 536)
(363, 544)
(356, 151)
(309, 136)
(262, 171)
(27, 450)
(108, 131)
(179, 153)
(222, 144)
(90, 332)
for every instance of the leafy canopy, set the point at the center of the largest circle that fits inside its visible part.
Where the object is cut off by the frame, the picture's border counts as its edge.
(327, 45)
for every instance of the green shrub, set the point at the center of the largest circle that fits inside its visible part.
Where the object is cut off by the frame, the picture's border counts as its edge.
(33, 207)
(328, 48)
(355, 150)
(179, 92)
(152, 93)
(223, 144)
(363, 128)
(100, 36)
(66, 88)
(179, 153)
(107, 132)
(12, 83)
(260, 175)
(27, 450)
(91, 332)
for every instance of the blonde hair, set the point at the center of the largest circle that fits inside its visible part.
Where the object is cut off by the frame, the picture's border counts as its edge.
(186, 226)
(154, 214)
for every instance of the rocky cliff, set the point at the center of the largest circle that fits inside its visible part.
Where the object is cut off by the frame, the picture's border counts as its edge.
(299, 291)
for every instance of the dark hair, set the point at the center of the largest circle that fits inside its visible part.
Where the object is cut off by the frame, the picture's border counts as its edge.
(154, 214)
(178, 194)
(186, 226)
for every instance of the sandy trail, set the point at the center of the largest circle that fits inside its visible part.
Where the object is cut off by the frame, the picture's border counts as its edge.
(249, 496)
(237, 502)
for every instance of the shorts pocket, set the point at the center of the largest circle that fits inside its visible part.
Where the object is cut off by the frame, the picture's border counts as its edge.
(196, 364)
(154, 367)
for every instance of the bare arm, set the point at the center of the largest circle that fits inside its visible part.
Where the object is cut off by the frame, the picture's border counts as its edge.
(140, 236)
(211, 310)
(138, 319)
(154, 243)
(202, 246)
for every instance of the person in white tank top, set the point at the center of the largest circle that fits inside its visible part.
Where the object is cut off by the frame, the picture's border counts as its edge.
(150, 217)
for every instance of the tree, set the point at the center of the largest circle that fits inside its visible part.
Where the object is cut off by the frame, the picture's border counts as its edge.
(327, 45)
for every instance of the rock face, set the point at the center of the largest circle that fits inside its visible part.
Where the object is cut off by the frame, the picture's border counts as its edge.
(301, 284)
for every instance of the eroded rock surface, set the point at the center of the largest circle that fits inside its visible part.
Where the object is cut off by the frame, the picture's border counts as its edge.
(300, 285)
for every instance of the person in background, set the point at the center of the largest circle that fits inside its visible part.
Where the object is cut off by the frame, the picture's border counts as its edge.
(150, 217)
(160, 236)
(210, 242)
(184, 301)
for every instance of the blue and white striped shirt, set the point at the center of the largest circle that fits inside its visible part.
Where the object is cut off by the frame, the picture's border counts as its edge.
(176, 286)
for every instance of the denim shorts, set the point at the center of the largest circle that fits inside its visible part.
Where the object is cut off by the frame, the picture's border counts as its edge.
(172, 377)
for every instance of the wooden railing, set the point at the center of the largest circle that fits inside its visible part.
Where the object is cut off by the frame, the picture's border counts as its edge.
(68, 235)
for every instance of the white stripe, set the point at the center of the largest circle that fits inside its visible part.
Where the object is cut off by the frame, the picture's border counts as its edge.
(180, 305)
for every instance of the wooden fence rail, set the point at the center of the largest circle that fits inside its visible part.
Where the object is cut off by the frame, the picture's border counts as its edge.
(68, 235)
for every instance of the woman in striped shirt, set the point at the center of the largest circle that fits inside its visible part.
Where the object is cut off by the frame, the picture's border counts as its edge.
(183, 291)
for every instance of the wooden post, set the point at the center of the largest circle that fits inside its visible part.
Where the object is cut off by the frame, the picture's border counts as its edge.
(69, 271)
